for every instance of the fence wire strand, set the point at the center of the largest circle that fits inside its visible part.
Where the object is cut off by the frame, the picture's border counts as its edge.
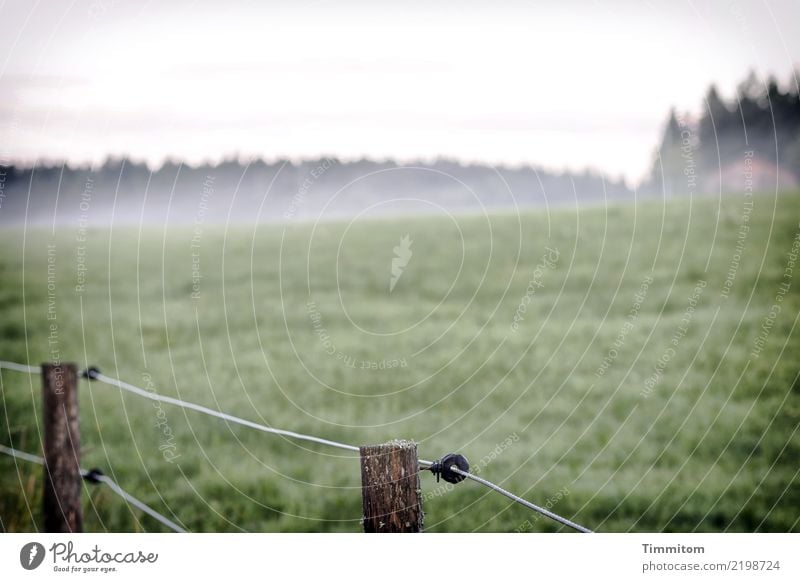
(521, 501)
(140, 504)
(110, 483)
(223, 415)
(20, 367)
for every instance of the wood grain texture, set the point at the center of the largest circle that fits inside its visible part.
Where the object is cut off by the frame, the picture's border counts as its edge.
(390, 487)
(62, 476)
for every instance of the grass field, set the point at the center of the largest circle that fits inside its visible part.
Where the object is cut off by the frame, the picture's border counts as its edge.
(643, 384)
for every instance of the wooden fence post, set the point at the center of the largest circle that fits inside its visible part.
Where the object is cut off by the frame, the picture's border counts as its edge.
(62, 449)
(390, 488)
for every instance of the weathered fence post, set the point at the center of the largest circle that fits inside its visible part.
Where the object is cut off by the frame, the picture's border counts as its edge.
(62, 449)
(390, 488)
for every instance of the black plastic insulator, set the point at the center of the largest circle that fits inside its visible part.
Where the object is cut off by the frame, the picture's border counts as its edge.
(93, 476)
(442, 468)
(90, 373)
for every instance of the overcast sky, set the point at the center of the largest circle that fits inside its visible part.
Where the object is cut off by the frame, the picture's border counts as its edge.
(560, 84)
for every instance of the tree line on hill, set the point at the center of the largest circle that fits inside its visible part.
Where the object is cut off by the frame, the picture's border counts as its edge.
(750, 140)
(121, 191)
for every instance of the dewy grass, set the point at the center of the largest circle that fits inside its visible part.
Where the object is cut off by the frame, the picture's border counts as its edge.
(224, 321)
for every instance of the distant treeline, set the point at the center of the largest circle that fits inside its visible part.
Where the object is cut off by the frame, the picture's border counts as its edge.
(760, 123)
(126, 192)
(750, 142)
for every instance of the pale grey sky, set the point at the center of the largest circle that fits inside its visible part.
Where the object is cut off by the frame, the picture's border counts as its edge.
(560, 84)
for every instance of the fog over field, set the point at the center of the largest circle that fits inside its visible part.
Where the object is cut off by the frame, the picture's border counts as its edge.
(126, 193)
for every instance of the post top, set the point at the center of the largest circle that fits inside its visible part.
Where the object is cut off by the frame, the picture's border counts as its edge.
(395, 444)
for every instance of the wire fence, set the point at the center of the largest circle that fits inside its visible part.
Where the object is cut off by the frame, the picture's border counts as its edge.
(447, 464)
(95, 476)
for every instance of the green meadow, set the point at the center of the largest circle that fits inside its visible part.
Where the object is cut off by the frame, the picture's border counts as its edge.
(634, 366)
